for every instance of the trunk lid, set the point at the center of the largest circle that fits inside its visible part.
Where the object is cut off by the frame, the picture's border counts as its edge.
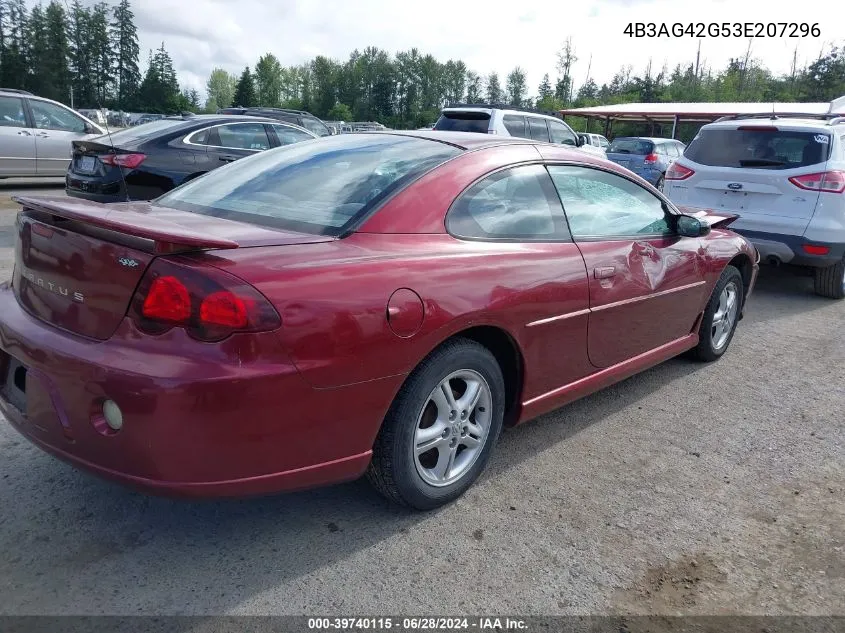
(78, 263)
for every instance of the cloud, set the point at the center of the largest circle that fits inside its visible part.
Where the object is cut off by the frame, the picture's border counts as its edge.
(203, 34)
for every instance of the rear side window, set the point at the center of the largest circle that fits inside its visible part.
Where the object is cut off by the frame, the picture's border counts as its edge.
(288, 135)
(537, 129)
(517, 204)
(759, 149)
(315, 126)
(320, 188)
(240, 136)
(515, 125)
(464, 121)
(636, 146)
(11, 112)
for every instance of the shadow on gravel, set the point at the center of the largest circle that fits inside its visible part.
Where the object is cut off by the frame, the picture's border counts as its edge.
(784, 291)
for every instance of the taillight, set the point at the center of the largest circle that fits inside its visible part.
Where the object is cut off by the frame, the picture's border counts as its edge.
(167, 301)
(816, 249)
(829, 181)
(678, 172)
(651, 158)
(208, 303)
(130, 161)
(757, 128)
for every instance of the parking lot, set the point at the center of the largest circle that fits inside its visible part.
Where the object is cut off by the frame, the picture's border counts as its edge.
(701, 489)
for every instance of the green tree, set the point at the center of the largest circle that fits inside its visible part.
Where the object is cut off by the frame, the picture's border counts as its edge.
(82, 74)
(55, 74)
(339, 112)
(245, 90)
(13, 50)
(516, 86)
(565, 60)
(268, 81)
(159, 90)
(36, 33)
(324, 73)
(544, 91)
(494, 90)
(101, 60)
(824, 80)
(124, 44)
(474, 94)
(220, 88)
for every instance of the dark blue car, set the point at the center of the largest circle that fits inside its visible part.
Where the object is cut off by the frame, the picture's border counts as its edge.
(647, 157)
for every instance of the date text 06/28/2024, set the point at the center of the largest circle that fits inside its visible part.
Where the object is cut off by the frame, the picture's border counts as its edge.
(722, 29)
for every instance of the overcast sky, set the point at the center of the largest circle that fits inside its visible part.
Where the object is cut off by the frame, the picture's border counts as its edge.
(487, 36)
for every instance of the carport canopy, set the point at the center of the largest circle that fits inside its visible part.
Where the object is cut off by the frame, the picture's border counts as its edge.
(675, 113)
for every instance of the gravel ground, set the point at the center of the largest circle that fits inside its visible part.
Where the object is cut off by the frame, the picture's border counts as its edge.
(695, 489)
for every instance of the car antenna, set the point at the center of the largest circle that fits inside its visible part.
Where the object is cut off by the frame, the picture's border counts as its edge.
(114, 153)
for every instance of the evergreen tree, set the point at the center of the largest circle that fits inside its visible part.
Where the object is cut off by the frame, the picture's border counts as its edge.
(36, 33)
(474, 88)
(544, 91)
(13, 51)
(55, 73)
(159, 91)
(101, 59)
(494, 90)
(268, 81)
(245, 90)
(125, 49)
(516, 87)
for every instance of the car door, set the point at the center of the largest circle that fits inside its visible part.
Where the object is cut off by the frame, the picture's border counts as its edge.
(281, 134)
(517, 216)
(646, 282)
(17, 139)
(231, 141)
(56, 127)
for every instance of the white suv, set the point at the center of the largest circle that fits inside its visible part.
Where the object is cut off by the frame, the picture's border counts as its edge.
(507, 121)
(36, 135)
(785, 179)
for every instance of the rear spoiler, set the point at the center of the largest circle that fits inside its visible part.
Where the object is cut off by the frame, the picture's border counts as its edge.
(715, 219)
(167, 236)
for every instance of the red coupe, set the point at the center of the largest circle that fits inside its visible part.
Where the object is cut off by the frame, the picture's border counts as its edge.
(367, 303)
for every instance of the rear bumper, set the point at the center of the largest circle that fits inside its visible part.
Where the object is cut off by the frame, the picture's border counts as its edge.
(789, 249)
(193, 424)
(133, 186)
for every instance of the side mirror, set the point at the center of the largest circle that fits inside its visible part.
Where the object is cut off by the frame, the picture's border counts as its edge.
(688, 226)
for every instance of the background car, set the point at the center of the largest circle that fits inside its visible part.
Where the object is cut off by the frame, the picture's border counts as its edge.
(372, 302)
(143, 162)
(297, 117)
(36, 135)
(507, 121)
(594, 144)
(784, 178)
(647, 157)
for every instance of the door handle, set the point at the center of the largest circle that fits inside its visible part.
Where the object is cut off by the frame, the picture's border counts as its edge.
(42, 135)
(24, 133)
(605, 272)
(228, 158)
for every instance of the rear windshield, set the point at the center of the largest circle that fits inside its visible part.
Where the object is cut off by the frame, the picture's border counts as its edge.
(143, 131)
(463, 122)
(759, 149)
(630, 146)
(321, 186)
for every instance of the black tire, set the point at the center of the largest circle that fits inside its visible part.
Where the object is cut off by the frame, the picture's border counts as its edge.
(393, 471)
(830, 281)
(706, 350)
(659, 184)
